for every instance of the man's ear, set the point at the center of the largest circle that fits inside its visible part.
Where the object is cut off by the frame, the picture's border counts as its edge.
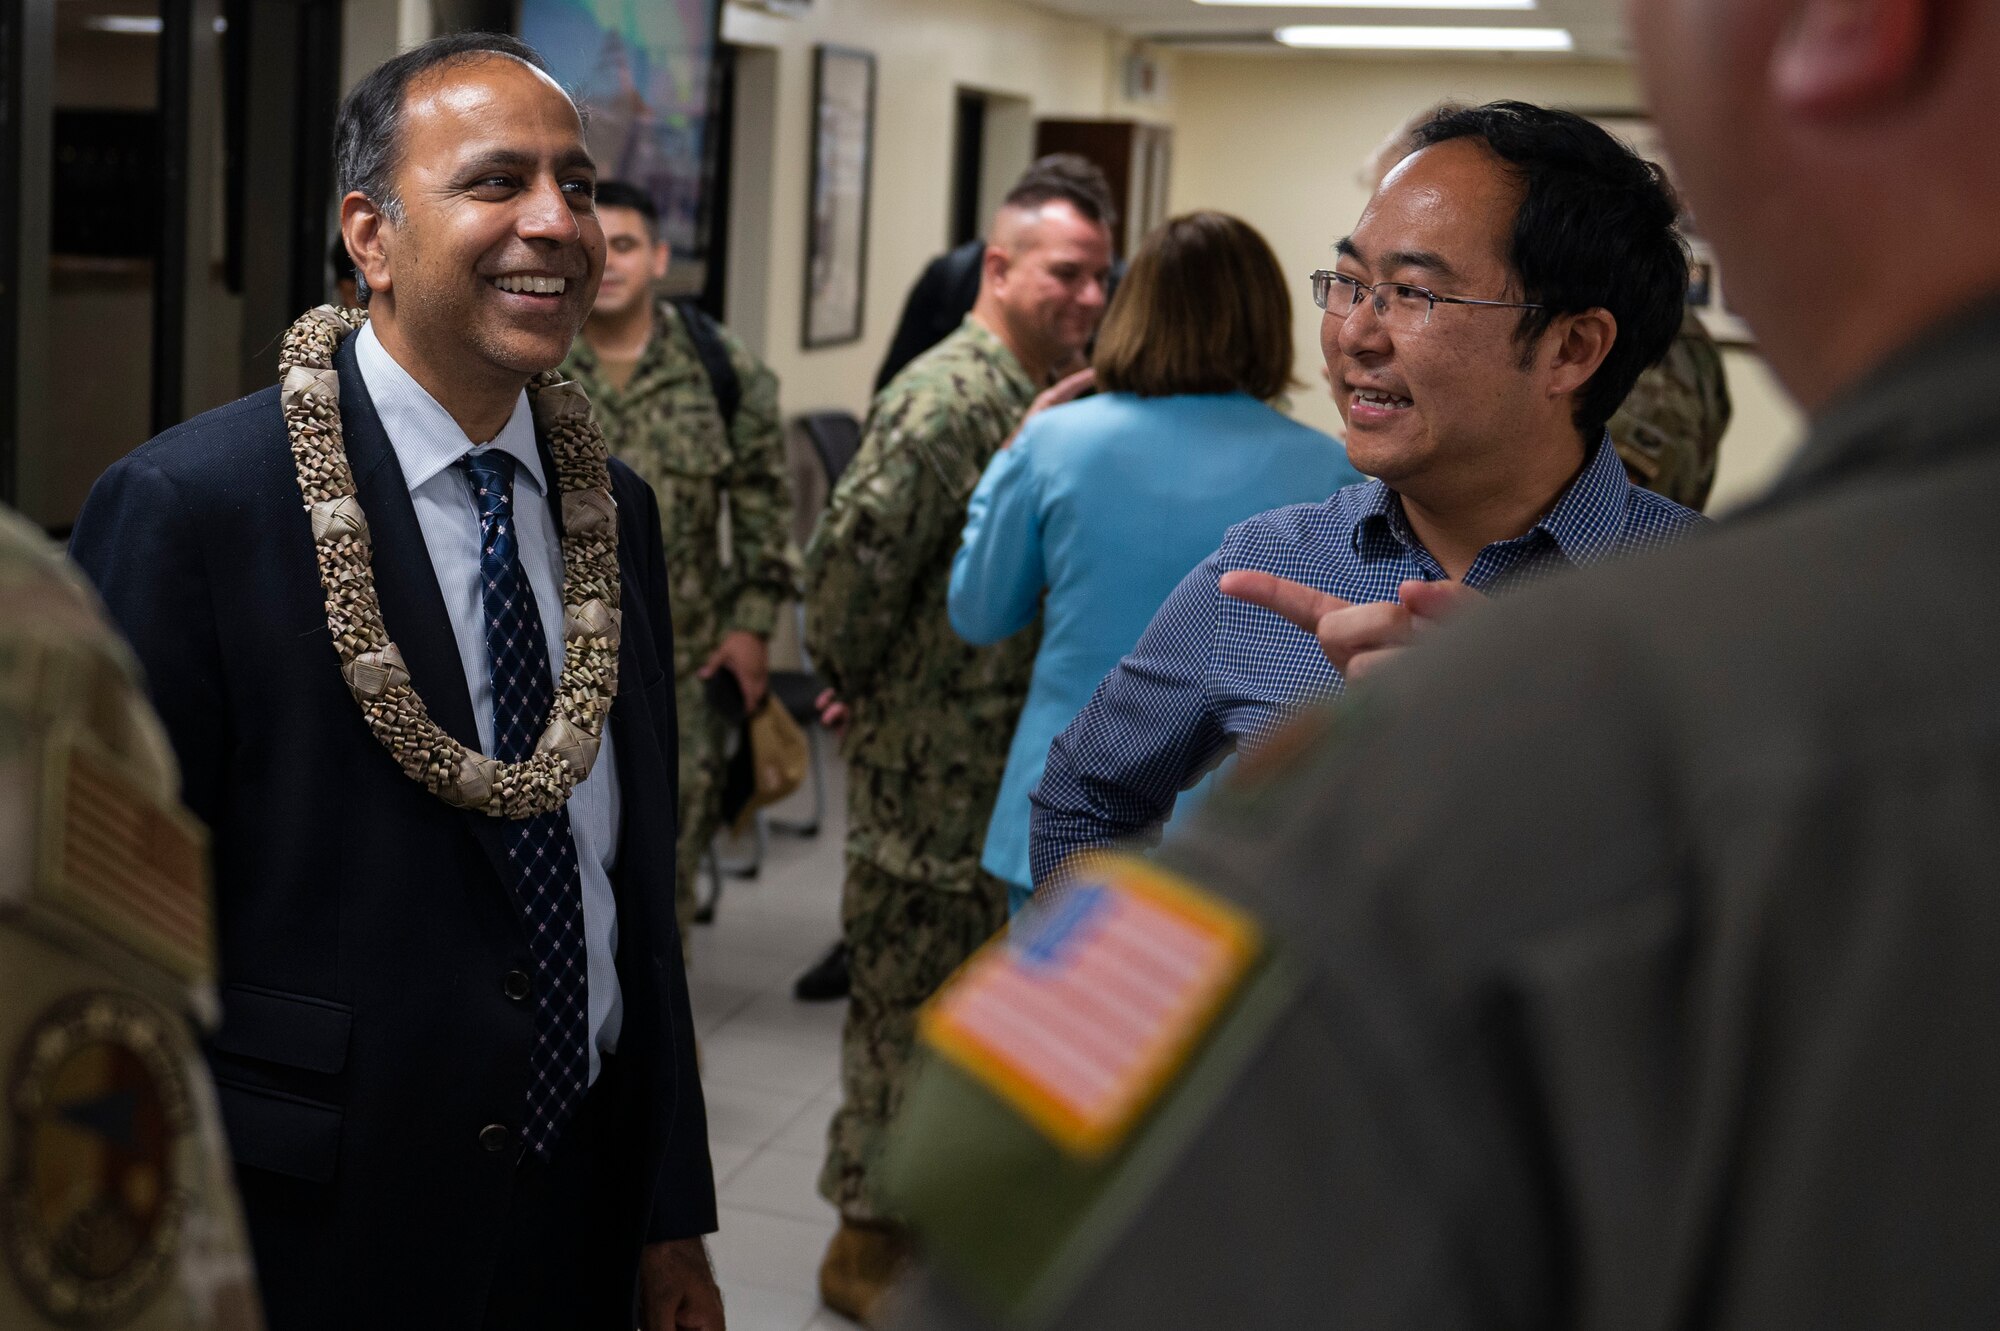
(1841, 57)
(993, 267)
(362, 228)
(663, 256)
(1582, 341)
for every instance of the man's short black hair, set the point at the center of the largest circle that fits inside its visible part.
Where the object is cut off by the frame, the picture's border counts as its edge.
(1074, 179)
(368, 130)
(1596, 229)
(624, 194)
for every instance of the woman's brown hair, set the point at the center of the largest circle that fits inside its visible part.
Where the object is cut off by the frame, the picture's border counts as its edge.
(1203, 309)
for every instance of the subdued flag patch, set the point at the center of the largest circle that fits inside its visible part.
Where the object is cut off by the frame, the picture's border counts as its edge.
(1084, 1011)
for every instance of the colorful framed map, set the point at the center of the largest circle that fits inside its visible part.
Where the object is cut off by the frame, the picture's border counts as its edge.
(645, 73)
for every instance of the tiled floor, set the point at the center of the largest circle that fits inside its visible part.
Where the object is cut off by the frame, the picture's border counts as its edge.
(770, 1067)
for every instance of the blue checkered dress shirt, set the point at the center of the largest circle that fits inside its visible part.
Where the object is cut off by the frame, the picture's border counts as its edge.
(1213, 674)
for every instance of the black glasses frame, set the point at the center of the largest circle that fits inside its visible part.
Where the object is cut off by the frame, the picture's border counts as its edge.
(1324, 280)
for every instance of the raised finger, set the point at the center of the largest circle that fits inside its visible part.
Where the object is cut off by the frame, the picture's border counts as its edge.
(1362, 628)
(1302, 605)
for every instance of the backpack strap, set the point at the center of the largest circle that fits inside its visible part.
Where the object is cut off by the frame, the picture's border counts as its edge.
(722, 377)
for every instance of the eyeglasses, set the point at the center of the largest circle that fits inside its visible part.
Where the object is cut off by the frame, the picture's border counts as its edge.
(1398, 305)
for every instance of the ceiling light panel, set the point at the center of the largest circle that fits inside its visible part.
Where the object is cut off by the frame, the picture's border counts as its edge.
(1377, 4)
(1387, 38)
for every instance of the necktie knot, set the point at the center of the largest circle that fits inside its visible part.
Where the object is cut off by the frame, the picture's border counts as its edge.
(491, 475)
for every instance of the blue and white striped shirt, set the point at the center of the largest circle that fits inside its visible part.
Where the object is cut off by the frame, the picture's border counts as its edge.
(1213, 674)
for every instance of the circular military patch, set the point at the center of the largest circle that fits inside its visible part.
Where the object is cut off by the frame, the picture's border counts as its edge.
(95, 1196)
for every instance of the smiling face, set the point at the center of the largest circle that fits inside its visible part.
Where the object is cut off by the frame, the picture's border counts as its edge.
(633, 261)
(1444, 401)
(1050, 289)
(490, 268)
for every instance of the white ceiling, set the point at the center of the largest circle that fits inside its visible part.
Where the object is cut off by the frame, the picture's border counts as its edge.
(1597, 25)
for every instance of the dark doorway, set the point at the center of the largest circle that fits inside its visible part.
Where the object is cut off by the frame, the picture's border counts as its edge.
(968, 164)
(11, 108)
(717, 179)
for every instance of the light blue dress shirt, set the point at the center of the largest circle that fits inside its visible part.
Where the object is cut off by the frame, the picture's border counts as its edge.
(427, 442)
(1104, 505)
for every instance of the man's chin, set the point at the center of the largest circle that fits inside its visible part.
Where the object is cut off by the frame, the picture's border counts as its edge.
(610, 306)
(1379, 452)
(529, 356)
(1072, 353)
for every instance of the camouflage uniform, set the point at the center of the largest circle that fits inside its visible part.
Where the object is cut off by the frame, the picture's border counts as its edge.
(112, 1165)
(724, 505)
(932, 717)
(1670, 427)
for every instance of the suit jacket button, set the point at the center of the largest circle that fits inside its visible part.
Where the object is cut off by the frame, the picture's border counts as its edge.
(494, 1136)
(517, 986)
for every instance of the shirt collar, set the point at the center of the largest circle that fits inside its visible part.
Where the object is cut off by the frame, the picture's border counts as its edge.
(1584, 523)
(1378, 518)
(661, 354)
(426, 439)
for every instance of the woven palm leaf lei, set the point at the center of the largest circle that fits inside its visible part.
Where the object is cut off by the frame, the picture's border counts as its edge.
(372, 665)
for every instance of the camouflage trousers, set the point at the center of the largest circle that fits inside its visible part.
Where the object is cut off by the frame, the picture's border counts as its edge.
(704, 738)
(904, 939)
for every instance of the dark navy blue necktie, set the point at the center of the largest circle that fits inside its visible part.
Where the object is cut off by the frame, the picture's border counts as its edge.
(540, 850)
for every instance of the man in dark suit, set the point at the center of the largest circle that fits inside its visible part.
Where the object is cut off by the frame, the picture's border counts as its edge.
(456, 1060)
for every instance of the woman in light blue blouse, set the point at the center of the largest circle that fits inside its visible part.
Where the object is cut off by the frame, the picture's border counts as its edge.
(1103, 505)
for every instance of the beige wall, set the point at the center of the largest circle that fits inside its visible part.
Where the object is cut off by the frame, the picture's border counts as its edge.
(1279, 140)
(925, 50)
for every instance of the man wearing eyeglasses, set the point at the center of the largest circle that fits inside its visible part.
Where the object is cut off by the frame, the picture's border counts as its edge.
(1504, 288)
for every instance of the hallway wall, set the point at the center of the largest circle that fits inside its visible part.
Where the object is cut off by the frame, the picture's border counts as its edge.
(925, 50)
(1278, 138)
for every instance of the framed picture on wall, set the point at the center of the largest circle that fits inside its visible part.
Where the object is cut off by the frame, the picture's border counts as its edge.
(646, 73)
(837, 226)
(1708, 289)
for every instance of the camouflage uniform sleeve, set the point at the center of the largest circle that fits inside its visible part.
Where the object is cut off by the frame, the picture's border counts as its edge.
(884, 523)
(1669, 428)
(760, 500)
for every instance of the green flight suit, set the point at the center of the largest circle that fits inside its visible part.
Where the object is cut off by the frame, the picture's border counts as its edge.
(724, 506)
(116, 1203)
(932, 717)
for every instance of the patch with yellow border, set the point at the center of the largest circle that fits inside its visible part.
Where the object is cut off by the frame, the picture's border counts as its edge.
(1083, 1012)
(95, 1199)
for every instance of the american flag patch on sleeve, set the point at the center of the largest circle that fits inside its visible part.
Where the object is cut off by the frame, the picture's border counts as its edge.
(1084, 1011)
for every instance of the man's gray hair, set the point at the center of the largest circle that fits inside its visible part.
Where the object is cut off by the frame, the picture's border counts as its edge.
(367, 134)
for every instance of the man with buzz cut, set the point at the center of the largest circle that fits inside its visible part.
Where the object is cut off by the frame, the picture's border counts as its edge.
(407, 627)
(1502, 291)
(683, 403)
(929, 715)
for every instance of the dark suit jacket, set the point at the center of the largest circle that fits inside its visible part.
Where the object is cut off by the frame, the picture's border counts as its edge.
(365, 927)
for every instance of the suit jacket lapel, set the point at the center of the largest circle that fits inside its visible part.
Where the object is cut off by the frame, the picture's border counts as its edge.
(412, 606)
